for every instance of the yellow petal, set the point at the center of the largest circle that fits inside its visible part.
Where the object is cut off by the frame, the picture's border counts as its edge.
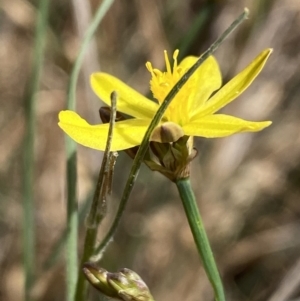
(234, 87)
(218, 125)
(129, 101)
(207, 80)
(126, 134)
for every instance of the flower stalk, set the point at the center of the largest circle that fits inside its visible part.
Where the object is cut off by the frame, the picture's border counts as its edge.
(98, 208)
(200, 236)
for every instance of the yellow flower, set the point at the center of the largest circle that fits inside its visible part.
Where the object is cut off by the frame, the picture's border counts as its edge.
(193, 108)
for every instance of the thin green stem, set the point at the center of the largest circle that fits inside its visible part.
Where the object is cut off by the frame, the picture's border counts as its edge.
(200, 237)
(157, 117)
(30, 103)
(72, 216)
(98, 207)
(100, 13)
(72, 220)
(196, 28)
(58, 248)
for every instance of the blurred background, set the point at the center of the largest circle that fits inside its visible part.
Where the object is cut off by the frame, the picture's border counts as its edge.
(247, 185)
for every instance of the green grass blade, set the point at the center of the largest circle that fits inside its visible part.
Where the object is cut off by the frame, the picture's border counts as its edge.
(72, 215)
(60, 243)
(30, 115)
(194, 31)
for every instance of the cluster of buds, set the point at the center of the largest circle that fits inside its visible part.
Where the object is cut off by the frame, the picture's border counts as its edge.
(124, 285)
(170, 151)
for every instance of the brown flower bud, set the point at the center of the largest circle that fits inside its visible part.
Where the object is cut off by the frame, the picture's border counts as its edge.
(167, 132)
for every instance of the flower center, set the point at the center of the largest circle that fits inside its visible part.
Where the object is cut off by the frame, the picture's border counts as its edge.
(161, 84)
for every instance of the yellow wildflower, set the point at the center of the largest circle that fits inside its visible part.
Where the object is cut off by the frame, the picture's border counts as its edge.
(193, 108)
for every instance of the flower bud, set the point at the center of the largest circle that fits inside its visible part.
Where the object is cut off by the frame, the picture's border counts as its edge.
(98, 278)
(167, 132)
(125, 285)
(172, 159)
(130, 286)
(104, 113)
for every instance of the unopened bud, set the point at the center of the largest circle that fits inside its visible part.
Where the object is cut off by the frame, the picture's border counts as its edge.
(167, 132)
(130, 286)
(98, 278)
(125, 285)
(104, 113)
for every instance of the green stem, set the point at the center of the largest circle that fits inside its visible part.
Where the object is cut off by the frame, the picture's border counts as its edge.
(200, 237)
(89, 242)
(72, 220)
(30, 102)
(196, 28)
(72, 215)
(98, 207)
(56, 251)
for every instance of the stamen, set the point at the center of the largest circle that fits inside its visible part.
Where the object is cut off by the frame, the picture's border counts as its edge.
(175, 55)
(157, 72)
(168, 66)
(149, 67)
